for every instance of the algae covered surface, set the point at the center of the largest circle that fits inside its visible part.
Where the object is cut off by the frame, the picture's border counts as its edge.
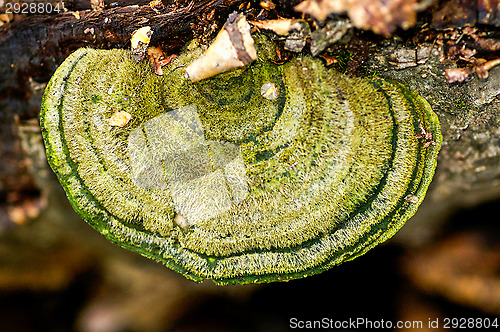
(219, 182)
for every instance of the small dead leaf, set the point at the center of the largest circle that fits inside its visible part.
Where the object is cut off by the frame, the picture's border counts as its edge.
(297, 31)
(281, 27)
(380, 16)
(158, 59)
(330, 60)
(76, 14)
(120, 119)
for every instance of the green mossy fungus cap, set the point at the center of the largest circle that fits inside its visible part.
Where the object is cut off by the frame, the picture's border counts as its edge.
(266, 173)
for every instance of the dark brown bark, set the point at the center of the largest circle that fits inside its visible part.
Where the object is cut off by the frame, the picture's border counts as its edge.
(36, 45)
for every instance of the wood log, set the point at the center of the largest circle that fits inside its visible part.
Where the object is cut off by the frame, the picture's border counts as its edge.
(35, 46)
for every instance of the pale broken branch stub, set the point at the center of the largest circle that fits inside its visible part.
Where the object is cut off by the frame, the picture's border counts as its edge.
(232, 48)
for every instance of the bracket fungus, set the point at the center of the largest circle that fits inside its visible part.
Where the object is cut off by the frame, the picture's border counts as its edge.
(224, 179)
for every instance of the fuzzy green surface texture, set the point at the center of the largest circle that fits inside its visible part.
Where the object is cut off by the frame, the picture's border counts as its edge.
(227, 180)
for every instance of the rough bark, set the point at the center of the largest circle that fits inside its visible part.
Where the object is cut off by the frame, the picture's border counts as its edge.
(36, 45)
(52, 252)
